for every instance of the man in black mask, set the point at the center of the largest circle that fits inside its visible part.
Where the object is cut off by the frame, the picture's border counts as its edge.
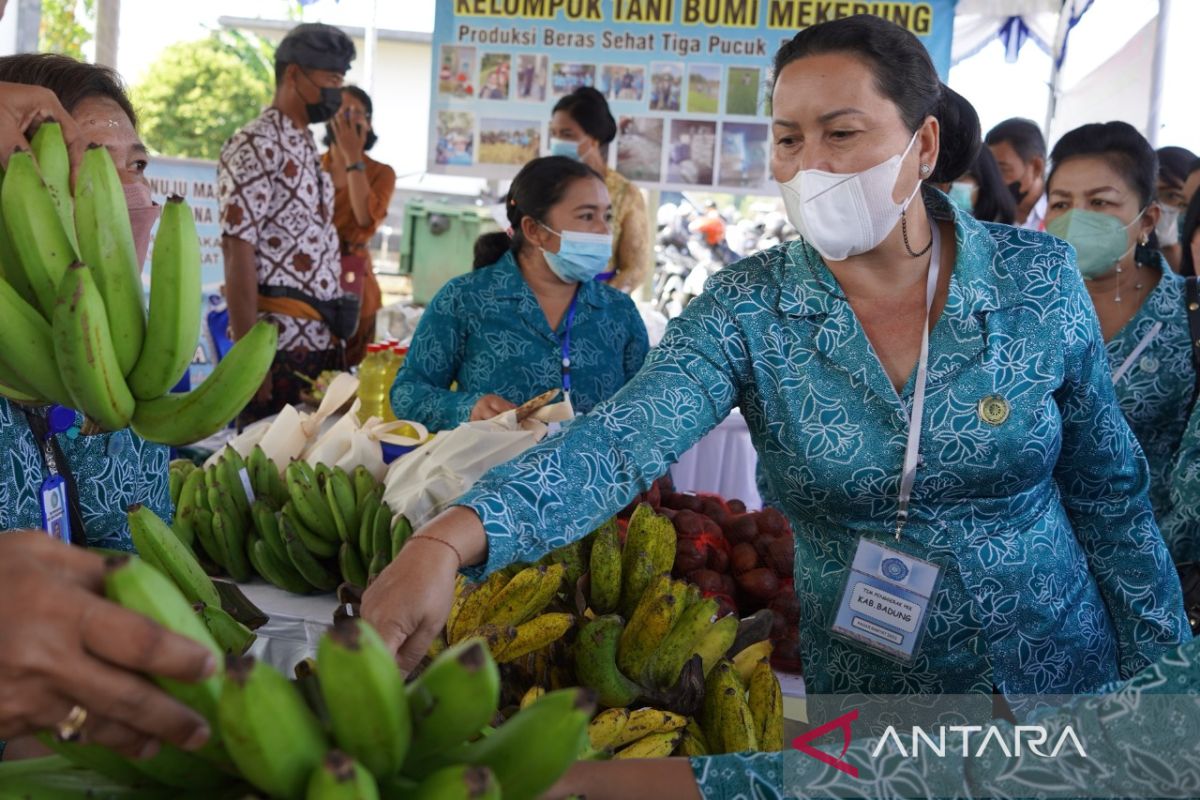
(1020, 151)
(282, 260)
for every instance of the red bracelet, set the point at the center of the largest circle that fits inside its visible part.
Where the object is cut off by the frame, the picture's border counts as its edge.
(441, 541)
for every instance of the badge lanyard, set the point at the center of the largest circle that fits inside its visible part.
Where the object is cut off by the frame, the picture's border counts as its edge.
(911, 452)
(565, 342)
(887, 596)
(58, 495)
(1137, 351)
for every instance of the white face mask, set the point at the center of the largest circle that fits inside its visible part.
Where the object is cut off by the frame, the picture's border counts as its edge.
(844, 214)
(1168, 225)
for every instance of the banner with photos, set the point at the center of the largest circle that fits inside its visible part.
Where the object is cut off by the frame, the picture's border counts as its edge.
(686, 80)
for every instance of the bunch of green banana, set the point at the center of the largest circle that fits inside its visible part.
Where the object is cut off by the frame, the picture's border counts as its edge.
(71, 303)
(177, 472)
(160, 547)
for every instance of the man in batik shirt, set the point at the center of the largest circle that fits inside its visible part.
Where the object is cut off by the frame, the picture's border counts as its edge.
(278, 239)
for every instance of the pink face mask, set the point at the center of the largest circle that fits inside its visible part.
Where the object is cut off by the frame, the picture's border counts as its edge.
(143, 213)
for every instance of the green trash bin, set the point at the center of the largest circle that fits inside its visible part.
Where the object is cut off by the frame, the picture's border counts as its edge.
(438, 243)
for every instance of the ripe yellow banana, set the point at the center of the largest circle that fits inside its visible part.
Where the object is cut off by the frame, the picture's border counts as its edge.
(716, 641)
(106, 245)
(532, 694)
(27, 360)
(766, 707)
(526, 595)
(655, 745)
(178, 419)
(693, 743)
(606, 727)
(173, 329)
(38, 238)
(680, 644)
(646, 721)
(475, 606)
(364, 692)
(660, 608)
(50, 152)
(605, 564)
(274, 739)
(83, 347)
(746, 661)
(728, 724)
(649, 552)
(536, 634)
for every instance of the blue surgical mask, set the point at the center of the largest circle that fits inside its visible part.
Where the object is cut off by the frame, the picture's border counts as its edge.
(1100, 240)
(581, 256)
(960, 195)
(564, 147)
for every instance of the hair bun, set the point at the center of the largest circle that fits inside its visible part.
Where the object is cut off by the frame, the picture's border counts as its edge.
(960, 138)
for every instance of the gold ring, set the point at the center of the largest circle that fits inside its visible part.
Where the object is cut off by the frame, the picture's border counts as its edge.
(68, 730)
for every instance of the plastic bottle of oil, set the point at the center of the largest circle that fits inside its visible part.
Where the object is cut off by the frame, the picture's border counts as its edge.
(369, 377)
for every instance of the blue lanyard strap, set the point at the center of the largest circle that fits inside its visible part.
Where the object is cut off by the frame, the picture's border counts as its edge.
(565, 342)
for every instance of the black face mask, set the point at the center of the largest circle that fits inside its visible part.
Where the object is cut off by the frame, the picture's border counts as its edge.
(324, 109)
(1015, 188)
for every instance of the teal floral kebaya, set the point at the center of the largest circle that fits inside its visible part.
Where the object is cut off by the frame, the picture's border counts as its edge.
(486, 331)
(1031, 492)
(112, 471)
(1155, 392)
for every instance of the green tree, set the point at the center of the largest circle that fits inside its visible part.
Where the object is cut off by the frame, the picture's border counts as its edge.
(197, 94)
(66, 26)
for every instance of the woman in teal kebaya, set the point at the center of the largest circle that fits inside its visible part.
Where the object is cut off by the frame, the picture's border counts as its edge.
(531, 317)
(1018, 481)
(1101, 201)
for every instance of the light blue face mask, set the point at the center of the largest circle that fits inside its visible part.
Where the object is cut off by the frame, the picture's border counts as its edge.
(1100, 240)
(581, 256)
(564, 147)
(960, 195)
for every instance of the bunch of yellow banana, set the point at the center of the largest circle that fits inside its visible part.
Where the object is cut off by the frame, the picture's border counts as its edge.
(71, 303)
(509, 610)
(306, 530)
(738, 717)
(364, 733)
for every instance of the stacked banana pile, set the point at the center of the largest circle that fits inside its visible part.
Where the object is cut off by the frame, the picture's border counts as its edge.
(306, 530)
(654, 649)
(351, 729)
(72, 315)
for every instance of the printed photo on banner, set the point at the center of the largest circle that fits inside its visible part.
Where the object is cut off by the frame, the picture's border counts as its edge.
(666, 84)
(704, 88)
(693, 151)
(531, 77)
(567, 76)
(494, 70)
(745, 155)
(455, 138)
(623, 83)
(639, 148)
(509, 141)
(457, 71)
(741, 92)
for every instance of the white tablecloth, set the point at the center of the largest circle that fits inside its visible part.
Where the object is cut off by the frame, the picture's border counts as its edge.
(722, 463)
(295, 626)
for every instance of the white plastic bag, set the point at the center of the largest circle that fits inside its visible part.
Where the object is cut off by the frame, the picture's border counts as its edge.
(421, 484)
(292, 432)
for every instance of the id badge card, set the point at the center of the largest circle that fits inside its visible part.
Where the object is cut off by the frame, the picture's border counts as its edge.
(55, 519)
(885, 604)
